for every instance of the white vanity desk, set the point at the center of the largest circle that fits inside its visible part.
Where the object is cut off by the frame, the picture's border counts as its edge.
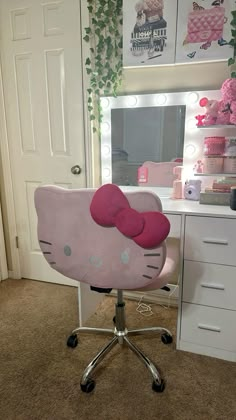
(207, 287)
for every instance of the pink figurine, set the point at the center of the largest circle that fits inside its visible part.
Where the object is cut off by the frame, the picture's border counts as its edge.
(198, 167)
(200, 119)
(212, 108)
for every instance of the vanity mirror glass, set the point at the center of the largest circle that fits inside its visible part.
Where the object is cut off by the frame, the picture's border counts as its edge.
(141, 128)
(144, 134)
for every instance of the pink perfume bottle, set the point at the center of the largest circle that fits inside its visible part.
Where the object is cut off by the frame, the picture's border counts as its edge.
(178, 184)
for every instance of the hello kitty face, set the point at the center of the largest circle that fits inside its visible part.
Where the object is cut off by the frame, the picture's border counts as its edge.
(79, 248)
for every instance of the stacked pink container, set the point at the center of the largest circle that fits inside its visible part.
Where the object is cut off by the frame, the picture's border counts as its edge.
(214, 148)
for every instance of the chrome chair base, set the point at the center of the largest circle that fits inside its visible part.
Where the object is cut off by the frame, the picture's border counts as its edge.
(120, 336)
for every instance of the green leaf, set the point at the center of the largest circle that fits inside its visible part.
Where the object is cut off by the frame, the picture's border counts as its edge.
(233, 22)
(233, 32)
(86, 38)
(89, 91)
(231, 61)
(94, 129)
(87, 62)
(87, 30)
(88, 70)
(90, 9)
(92, 117)
(233, 75)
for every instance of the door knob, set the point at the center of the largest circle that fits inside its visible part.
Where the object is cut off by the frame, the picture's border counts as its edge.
(76, 170)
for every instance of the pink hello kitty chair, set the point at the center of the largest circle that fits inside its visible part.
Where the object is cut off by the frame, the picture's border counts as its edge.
(107, 239)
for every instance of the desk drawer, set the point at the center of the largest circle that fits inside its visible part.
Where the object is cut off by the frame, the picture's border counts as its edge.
(210, 239)
(209, 327)
(175, 225)
(209, 284)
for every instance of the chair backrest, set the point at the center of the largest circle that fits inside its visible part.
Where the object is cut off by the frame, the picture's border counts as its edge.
(80, 248)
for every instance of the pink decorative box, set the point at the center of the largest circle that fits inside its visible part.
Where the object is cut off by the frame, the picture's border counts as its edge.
(214, 146)
(213, 165)
(206, 25)
(157, 174)
(230, 165)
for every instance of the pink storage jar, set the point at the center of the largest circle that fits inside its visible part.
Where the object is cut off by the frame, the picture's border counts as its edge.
(214, 146)
(213, 165)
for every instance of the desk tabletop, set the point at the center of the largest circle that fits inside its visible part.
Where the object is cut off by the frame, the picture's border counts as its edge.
(183, 206)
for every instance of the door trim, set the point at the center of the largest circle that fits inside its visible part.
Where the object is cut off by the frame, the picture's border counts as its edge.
(6, 184)
(92, 143)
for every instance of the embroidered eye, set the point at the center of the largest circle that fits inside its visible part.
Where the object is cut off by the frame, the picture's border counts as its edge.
(67, 250)
(124, 256)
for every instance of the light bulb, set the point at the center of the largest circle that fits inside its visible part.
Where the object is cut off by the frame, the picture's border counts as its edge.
(192, 98)
(161, 99)
(190, 149)
(105, 103)
(106, 150)
(106, 172)
(132, 100)
(105, 127)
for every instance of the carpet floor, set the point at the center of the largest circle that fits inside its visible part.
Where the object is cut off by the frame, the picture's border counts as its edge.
(40, 375)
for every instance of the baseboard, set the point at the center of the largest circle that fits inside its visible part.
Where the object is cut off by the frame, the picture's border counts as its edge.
(11, 275)
(160, 297)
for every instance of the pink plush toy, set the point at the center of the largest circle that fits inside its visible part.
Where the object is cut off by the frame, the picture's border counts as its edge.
(228, 91)
(212, 108)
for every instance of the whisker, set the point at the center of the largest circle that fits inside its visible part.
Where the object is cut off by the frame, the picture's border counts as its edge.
(152, 266)
(45, 242)
(147, 277)
(46, 253)
(152, 255)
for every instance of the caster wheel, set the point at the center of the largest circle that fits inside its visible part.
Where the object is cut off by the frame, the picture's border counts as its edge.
(158, 387)
(166, 338)
(89, 386)
(72, 341)
(114, 320)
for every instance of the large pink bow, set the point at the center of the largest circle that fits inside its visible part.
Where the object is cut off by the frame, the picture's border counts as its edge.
(110, 207)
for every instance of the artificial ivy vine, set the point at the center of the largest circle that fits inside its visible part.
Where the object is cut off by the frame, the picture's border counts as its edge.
(104, 66)
(232, 42)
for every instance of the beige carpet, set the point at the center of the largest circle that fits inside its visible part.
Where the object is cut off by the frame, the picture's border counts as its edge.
(40, 376)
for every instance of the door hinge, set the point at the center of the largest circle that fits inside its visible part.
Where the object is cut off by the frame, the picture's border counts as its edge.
(17, 241)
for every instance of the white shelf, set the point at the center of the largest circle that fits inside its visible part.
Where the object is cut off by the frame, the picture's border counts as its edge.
(228, 175)
(216, 126)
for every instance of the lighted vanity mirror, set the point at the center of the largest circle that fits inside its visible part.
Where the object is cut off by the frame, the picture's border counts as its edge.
(141, 128)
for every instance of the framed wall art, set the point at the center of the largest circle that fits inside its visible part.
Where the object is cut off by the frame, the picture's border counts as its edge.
(204, 30)
(149, 32)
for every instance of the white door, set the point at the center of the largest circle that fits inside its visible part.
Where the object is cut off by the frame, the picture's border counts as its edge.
(40, 50)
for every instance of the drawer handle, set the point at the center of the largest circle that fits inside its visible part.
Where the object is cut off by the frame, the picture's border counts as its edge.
(213, 286)
(215, 241)
(209, 327)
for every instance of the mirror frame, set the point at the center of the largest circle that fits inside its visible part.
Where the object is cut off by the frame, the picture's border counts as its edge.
(192, 150)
